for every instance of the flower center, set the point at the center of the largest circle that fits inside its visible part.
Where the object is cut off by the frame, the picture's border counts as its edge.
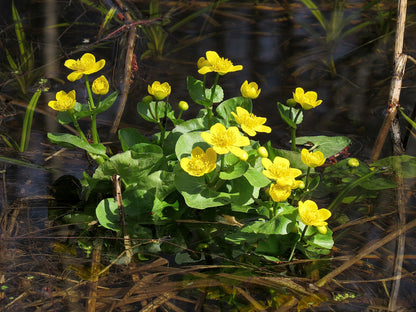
(222, 65)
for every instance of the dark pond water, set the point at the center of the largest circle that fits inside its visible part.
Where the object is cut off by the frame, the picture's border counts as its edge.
(281, 46)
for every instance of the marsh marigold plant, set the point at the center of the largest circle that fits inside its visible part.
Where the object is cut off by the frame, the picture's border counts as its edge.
(84, 66)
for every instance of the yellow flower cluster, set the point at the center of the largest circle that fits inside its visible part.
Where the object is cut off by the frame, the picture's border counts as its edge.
(84, 66)
(310, 215)
(200, 162)
(250, 123)
(214, 63)
(279, 170)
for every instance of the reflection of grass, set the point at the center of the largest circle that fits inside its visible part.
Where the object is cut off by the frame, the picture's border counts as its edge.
(338, 26)
(22, 67)
(157, 33)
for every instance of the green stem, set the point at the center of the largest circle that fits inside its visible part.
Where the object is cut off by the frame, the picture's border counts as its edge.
(349, 187)
(27, 122)
(307, 178)
(293, 139)
(293, 130)
(294, 246)
(78, 128)
(212, 100)
(95, 138)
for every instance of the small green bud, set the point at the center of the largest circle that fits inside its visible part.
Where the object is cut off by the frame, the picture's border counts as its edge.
(262, 151)
(353, 162)
(291, 103)
(183, 106)
(301, 185)
(147, 99)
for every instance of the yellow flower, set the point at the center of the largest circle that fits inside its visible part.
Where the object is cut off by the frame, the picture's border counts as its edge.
(280, 171)
(159, 90)
(84, 66)
(307, 100)
(100, 86)
(250, 123)
(226, 140)
(64, 101)
(279, 193)
(215, 63)
(200, 162)
(310, 215)
(250, 90)
(312, 159)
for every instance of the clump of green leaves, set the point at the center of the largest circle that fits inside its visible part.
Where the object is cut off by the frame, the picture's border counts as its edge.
(227, 199)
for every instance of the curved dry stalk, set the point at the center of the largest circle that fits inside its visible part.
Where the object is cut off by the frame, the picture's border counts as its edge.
(366, 250)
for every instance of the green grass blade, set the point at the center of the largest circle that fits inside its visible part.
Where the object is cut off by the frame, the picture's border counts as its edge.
(14, 161)
(18, 26)
(315, 11)
(27, 123)
(408, 119)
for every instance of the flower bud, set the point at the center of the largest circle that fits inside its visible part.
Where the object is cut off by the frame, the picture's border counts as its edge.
(262, 151)
(147, 99)
(353, 162)
(291, 103)
(183, 106)
(301, 185)
(100, 85)
(244, 156)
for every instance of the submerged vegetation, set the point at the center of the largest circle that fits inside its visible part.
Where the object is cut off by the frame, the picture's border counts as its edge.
(204, 210)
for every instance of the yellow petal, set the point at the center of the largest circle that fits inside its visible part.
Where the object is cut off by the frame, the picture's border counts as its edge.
(212, 57)
(266, 162)
(237, 151)
(197, 151)
(71, 64)
(207, 137)
(74, 76)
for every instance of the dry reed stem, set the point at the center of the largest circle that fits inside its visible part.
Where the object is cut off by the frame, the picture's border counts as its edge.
(131, 42)
(396, 83)
(93, 284)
